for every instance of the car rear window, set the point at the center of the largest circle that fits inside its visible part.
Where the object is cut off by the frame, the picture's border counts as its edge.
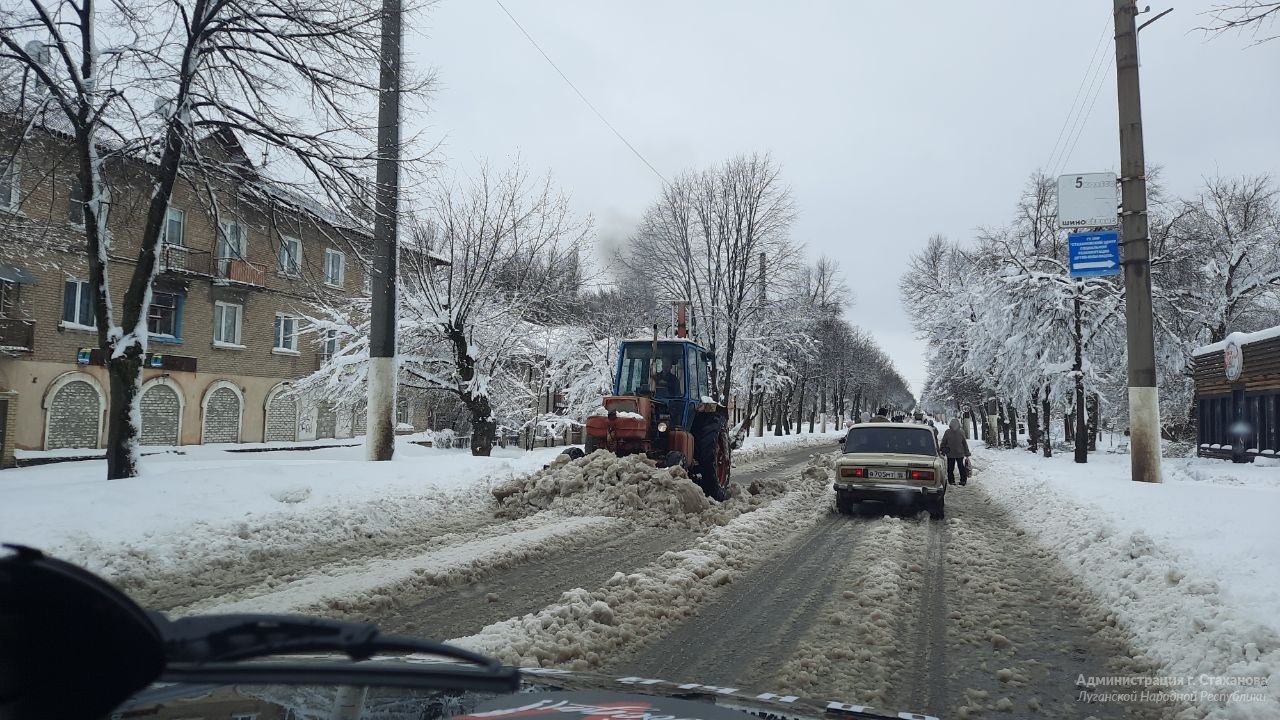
(905, 440)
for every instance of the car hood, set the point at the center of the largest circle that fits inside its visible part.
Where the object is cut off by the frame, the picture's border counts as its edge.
(544, 693)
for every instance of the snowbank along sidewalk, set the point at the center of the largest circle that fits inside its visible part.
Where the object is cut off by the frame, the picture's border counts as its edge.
(201, 507)
(1188, 566)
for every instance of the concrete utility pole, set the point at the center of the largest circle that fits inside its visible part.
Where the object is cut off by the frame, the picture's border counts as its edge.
(380, 441)
(1144, 405)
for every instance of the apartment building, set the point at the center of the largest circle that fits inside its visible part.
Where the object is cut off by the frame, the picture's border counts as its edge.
(226, 320)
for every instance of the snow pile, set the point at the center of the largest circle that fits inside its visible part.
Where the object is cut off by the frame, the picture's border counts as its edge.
(753, 446)
(1185, 566)
(210, 513)
(374, 585)
(631, 487)
(585, 629)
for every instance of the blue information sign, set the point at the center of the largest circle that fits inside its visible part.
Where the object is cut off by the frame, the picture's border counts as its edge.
(1094, 254)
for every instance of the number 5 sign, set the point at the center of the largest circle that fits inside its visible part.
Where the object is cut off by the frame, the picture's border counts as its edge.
(1088, 200)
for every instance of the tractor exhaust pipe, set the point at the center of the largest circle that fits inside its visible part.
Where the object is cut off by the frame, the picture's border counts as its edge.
(682, 315)
(653, 360)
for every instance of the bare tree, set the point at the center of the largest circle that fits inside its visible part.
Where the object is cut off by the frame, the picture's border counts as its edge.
(148, 84)
(716, 238)
(1253, 15)
(488, 262)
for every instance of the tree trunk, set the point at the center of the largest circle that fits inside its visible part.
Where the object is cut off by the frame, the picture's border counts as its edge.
(1047, 438)
(125, 373)
(1093, 422)
(800, 408)
(1013, 425)
(1033, 423)
(1001, 437)
(482, 425)
(1081, 430)
(777, 415)
(1081, 435)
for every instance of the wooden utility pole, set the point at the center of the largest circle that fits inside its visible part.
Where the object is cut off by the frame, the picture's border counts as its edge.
(380, 441)
(1144, 399)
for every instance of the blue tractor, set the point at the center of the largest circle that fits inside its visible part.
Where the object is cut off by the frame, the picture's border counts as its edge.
(662, 406)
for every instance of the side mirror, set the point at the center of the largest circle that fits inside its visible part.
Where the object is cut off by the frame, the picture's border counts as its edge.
(71, 644)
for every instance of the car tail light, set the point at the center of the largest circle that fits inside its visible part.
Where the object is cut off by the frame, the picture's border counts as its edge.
(921, 474)
(853, 472)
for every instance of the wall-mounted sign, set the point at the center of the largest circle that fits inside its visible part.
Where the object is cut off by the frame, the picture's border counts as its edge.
(1233, 359)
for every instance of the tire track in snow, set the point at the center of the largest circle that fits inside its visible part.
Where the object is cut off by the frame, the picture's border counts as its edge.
(767, 611)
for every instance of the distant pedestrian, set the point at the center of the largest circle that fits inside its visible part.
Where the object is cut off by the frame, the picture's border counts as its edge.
(864, 416)
(882, 415)
(956, 448)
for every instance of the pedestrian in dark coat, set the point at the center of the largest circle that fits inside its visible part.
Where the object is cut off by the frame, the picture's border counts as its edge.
(956, 447)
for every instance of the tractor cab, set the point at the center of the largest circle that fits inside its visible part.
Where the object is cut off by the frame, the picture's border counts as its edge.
(679, 383)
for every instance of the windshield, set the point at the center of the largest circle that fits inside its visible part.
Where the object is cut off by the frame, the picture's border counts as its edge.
(905, 441)
(669, 375)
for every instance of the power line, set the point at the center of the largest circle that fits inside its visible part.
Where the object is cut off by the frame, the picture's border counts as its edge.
(1096, 91)
(1084, 82)
(599, 114)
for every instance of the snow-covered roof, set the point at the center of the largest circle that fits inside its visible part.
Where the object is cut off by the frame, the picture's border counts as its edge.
(1240, 338)
(50, 118)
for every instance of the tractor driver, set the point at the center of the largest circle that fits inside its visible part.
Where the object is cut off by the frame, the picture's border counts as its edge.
(669, 384)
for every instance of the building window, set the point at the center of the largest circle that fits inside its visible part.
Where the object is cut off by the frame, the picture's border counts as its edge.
(230, 244)
(75, 203)
(9, 186)
(333, 268)
(367, 286)
(175, 224)
(290, 255)
(164, 315)
(286, 333)
(226, 323)
(77, 304)
(330, 345)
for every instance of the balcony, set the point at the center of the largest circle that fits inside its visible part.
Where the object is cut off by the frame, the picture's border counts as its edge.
(241, 271)
(184, 260)
(180, 259)
(19, 335)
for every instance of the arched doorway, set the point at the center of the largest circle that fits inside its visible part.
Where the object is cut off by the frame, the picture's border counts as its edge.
(223, 403)
(73, 405)
(281, 415)
(161, 413)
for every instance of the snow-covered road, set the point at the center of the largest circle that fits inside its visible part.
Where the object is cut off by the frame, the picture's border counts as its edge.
(954, 618)
(970, 617)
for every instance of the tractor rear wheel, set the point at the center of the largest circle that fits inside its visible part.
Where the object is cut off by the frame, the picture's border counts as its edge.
(711, 450)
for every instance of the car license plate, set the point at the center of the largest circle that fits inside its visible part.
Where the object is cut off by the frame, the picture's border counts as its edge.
(888, 474)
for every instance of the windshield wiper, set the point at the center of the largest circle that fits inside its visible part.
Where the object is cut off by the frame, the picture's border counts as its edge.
(210, 648)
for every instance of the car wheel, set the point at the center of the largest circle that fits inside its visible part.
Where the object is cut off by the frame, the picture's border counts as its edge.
(844, 504)
(574, 453)
(938, 507)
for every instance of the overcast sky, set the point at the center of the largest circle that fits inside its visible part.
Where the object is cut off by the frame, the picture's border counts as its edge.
(891, 120)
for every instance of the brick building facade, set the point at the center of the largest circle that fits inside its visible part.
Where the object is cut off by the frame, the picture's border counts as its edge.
(227, 334)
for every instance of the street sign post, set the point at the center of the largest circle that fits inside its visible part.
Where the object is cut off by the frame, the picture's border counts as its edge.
(1087, 200)
(1094, 254)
